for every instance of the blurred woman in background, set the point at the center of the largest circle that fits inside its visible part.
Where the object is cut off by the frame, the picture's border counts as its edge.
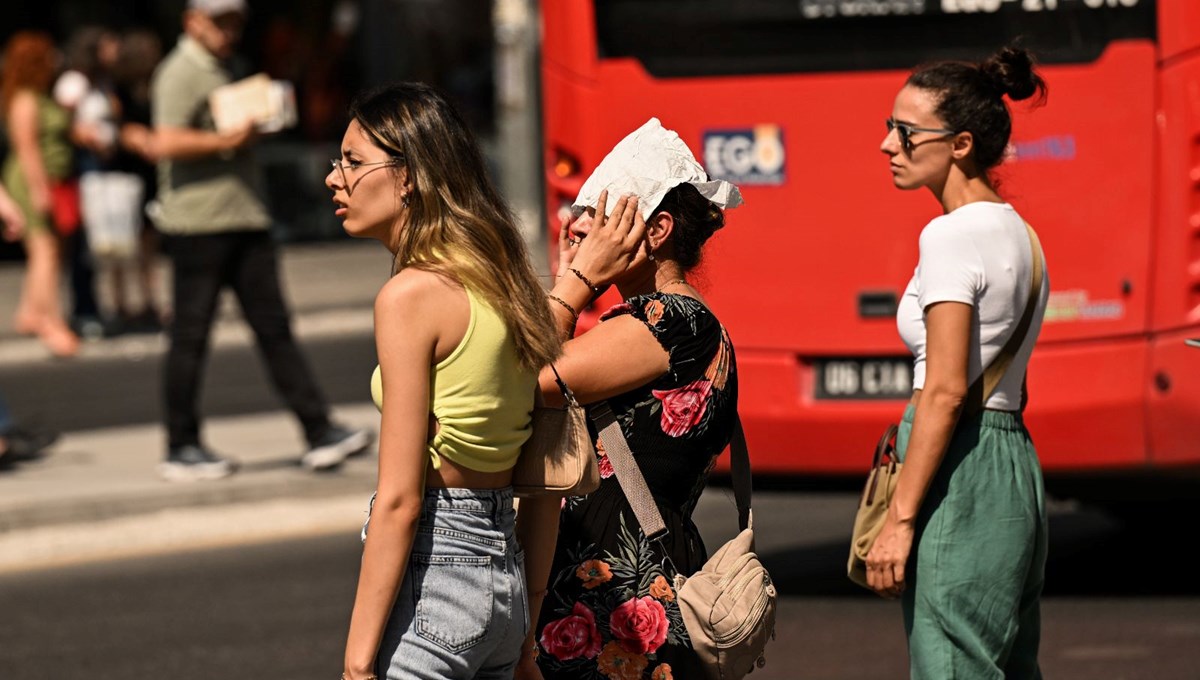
(39, 158)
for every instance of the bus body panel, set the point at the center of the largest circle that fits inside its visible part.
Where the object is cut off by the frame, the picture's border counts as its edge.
(1172, 398)
(1178, 27)
(1177, 280)
(566, 41)
(1104, 429)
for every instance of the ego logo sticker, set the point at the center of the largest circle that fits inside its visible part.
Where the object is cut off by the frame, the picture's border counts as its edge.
(752, 156)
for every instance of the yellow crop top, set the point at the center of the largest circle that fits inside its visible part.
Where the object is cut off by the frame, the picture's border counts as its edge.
(481, 395)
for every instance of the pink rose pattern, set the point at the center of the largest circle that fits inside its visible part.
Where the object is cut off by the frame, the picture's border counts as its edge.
(572, 636)
(616, 310)
(605, 465)
(683, 408)
(606, 468)
(640, 625)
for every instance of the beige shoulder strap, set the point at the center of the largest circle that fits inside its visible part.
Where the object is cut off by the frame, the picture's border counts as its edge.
(633, 484)
(985, 385)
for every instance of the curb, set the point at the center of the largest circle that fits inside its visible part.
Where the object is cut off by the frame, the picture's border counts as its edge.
(180, 530)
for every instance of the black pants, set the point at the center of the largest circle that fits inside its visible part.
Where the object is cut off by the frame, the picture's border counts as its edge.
(246, 262)
(82, 269)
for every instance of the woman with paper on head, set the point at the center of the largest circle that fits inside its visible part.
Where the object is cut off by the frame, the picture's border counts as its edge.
(665, 366)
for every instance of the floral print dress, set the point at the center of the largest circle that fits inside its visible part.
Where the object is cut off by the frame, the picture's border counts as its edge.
(610, 610)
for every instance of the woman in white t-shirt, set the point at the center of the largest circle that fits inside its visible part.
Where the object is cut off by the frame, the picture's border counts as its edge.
(965, 539)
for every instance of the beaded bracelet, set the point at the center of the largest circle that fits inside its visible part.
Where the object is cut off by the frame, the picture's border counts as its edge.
(596, 290)
(564, 303)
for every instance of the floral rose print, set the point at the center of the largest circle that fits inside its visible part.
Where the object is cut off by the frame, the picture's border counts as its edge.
(572, 636)
(654, 312)
(616, 310)
(661, 589)
(639, 624)
(606, 468)
(718, 370)
(617, 663)
(679, 423)
(683, 408)
(593, 573)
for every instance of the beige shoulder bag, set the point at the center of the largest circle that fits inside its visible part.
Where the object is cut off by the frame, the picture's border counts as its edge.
(558, 458)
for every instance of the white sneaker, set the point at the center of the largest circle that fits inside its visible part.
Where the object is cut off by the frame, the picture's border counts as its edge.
(335, 447)
(193, 463)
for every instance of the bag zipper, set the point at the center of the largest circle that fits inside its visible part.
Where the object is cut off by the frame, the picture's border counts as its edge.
(739, 634)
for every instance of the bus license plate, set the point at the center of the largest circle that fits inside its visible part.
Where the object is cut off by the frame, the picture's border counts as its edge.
(864, 378)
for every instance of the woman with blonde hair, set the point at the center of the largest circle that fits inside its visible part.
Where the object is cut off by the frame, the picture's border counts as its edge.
(462, 329)
(39, 158)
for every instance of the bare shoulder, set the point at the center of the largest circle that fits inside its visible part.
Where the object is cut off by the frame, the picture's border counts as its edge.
(425, 305)
(23, 104)
(416, 290)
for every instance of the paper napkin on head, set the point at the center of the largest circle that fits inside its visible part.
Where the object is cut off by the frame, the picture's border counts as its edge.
(648, 163)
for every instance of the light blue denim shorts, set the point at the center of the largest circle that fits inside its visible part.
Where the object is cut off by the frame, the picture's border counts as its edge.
(461, 611)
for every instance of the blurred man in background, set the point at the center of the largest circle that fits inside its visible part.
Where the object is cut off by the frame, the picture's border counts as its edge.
(211, 203)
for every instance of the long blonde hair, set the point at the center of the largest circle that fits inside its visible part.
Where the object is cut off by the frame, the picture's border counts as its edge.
(457, 223)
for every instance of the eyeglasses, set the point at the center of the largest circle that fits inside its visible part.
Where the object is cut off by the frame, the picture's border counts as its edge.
(355, 165)
(905, 131)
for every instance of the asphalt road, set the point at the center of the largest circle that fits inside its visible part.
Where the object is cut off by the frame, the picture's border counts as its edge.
(279, 610)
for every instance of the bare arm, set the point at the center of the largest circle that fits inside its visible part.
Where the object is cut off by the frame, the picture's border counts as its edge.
(139, 139)
(11, 217)
(610, 359)
(405, 342)
(948, 329)
(23, 131)
(178, 143)
(537, 531)
(948, 339)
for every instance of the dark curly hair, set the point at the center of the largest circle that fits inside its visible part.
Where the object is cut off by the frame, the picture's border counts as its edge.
(696, 220)
(971, 97)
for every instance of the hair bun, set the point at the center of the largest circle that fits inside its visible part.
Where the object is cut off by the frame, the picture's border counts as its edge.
(1011, 72)
(714, 219)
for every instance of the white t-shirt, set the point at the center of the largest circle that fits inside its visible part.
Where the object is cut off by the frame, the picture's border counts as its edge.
(979, 255)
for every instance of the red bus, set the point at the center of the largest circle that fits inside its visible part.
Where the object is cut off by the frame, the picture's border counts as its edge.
(787, 98)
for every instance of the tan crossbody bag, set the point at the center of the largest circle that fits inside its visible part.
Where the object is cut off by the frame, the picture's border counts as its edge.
(558, 459)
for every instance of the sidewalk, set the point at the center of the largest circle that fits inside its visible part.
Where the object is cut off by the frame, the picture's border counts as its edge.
(326, 285)
(97, 493)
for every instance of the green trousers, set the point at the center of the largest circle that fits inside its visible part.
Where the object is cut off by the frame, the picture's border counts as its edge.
(975, 575)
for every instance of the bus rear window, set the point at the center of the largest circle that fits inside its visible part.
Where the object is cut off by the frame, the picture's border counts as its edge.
(691, 38)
